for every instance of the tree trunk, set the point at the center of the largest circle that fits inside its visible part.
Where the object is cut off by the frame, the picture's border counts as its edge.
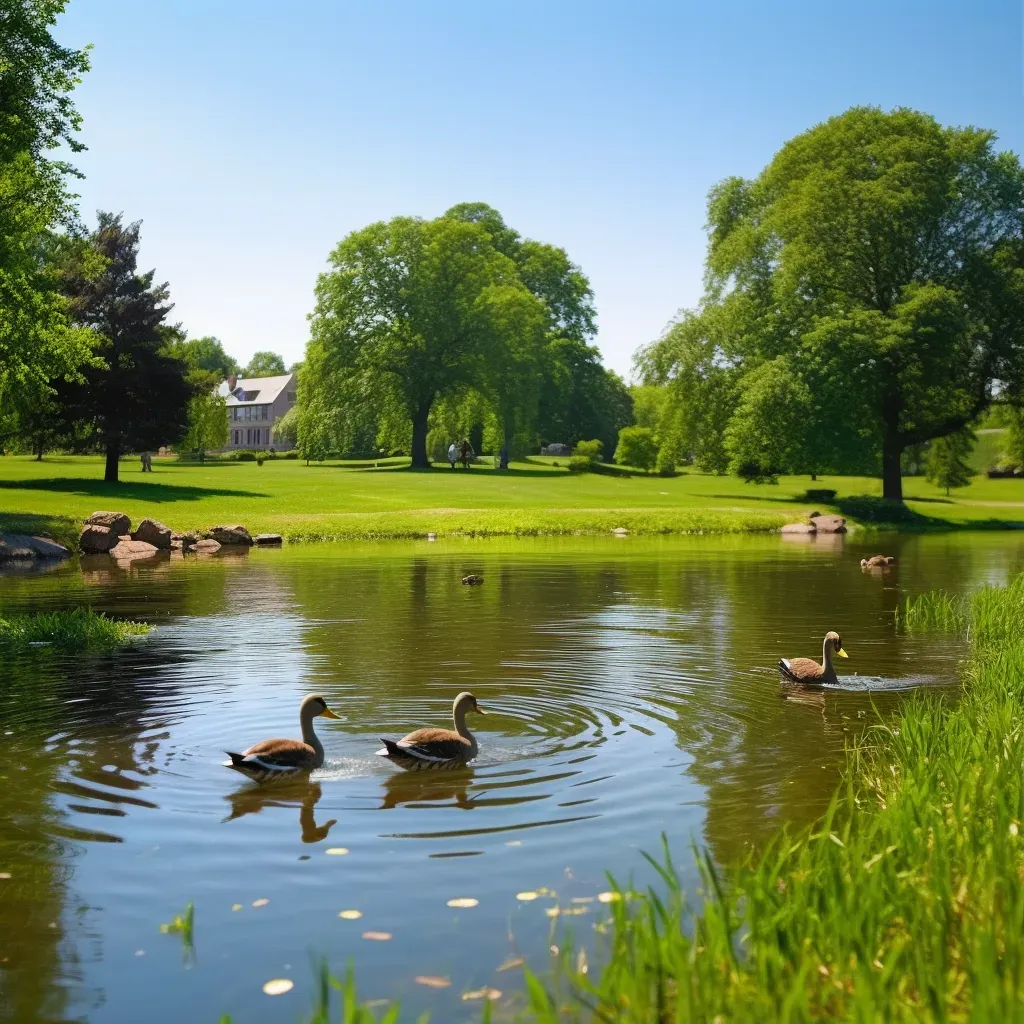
(420, 460)
(110, 473)
(892, 475)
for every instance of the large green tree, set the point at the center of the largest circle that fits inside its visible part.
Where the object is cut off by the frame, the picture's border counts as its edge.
(870, 278)
(208, 354)
(136, 393)
(407, 315)
(264, 364)
(37, 117)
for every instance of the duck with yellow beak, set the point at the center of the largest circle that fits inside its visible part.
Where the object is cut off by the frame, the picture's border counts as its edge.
(808, 671)
(437, 748)
(277, 758)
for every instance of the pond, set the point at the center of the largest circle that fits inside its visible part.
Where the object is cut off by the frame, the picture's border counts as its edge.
(631, 691)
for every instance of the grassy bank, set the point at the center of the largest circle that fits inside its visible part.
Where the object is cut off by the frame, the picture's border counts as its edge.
(356, 501)
(81, 629)
(906, 902)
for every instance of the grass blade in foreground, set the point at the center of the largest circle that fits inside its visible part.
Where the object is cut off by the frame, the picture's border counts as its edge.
(906, 902)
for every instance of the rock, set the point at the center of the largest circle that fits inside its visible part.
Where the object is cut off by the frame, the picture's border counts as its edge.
(206, 547)
(799, 528)
(46, 548)
(184, 541)
(229, 535)
(152, 531)
(97, 540)
(117, 522)
(266, 540)
(829, 524)
(431, 536)
(620, 531)
(21, 547)
(127, 549)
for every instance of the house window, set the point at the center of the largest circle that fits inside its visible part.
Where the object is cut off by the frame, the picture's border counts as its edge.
(238, 437)
(290, 396)
(263, 416)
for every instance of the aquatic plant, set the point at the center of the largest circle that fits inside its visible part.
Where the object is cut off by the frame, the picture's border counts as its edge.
(905, 902)
(183, 925)
(80, 629)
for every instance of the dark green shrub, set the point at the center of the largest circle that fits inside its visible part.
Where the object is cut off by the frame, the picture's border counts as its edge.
(825, 494)
(245, 456)
(580, 464)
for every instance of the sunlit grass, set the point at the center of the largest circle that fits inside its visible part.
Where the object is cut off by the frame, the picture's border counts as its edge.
(905, 902)
(80, 629)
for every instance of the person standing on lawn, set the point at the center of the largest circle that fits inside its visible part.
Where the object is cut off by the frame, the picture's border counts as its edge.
(452, 455)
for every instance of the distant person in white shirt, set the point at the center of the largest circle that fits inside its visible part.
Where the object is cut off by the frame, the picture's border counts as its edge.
(452, 454)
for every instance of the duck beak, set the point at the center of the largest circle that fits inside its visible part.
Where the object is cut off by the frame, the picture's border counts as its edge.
(842, 653)
(328, 713)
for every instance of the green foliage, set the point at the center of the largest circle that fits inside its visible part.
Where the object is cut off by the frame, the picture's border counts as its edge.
(208, 354)
(861, 257)
(80, 629)
(666, 462)
(905, 902)
(207, 416)
(947, 460)
(286, 429)
(38, 343)
(1013, 451)
(650, 403)
(136, 393)
(264, 364)
(589, 449)
(637, 448)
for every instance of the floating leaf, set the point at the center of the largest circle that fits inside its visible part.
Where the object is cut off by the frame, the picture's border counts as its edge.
(464, 901)
(260, 902)
(278, 986)
(553, 911)
(377, 936)
(236, 906)
(583, 899)
(515, 842)
(336, 851)
(351, 915)
(527, 896)
(511, 963)
(432, 981)
(482, 993)
(609, 897)
(5, 874)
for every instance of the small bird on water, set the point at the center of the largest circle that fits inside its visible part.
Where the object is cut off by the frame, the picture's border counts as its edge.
(472, 580)
(437, 748)
(277, 758)
(807, 670)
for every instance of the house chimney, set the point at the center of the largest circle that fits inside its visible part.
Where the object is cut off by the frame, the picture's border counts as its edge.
(232, 382)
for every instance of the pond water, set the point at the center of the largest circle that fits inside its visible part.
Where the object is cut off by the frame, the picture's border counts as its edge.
(630, 688)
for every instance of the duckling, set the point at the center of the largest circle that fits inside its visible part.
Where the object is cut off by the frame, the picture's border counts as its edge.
(276, 758)
(437, 748)
(472, 580)
(807, 670)
(877, 562)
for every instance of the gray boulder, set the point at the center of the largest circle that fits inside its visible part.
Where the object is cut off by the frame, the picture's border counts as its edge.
(22, 547)
(265, 540)
(96, 539)
(226, 535)
(117, 522)
(127, 549)
(206, 547)
(152, 531)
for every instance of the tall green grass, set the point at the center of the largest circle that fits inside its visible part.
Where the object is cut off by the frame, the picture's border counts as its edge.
(80, 629)
(904, 903)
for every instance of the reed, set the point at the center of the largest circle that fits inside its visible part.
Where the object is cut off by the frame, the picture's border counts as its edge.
(905, 902)
(80, 629)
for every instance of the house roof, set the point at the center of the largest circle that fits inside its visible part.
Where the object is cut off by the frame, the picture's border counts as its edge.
(258, 390)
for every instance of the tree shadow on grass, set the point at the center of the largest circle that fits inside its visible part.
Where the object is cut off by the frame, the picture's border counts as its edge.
(134, 490)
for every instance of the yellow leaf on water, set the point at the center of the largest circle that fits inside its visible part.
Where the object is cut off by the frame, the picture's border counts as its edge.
(236, 906)
(278, 986)
(432, 981)
(377, 936)
(583, 899)
(260, 902)
(609, 897)
(553, 911)
(464, 901)
(351, 915)
(527, 896)
(5, 874)
(482, 993)
(512, 963)
(336, 851)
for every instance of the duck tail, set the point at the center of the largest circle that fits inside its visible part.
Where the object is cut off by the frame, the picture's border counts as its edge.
(391, 748)
(784, 669)
(237, 761)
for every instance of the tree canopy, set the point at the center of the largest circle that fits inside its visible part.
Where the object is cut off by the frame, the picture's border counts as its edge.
(867, 287)
(135, 393)
(208, 354)
(264, 364)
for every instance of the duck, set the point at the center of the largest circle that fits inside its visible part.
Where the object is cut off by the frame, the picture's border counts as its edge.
(280, 757)
(437, 748)
(472, 580)
(807, 670)
(877, 561)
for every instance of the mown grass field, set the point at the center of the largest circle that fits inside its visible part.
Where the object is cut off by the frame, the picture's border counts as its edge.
(356, 500)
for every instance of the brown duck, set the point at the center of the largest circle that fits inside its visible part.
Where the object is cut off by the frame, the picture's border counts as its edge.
(437, 748)
(807, 670)
(277, 758)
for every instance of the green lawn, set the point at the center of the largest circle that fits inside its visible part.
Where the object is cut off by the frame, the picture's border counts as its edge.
(350, 500)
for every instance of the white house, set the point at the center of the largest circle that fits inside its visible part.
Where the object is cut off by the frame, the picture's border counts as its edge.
(255, 404)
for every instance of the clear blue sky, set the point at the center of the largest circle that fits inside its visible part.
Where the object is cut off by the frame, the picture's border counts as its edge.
(250, 137)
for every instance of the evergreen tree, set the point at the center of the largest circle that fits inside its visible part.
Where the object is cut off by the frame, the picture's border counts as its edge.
(135, 395)
(947, 460)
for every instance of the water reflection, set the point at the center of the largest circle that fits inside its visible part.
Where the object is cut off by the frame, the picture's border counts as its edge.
(631, 689)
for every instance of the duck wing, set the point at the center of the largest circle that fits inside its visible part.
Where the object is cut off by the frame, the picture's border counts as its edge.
(432, 745)
(801, 670)
(274, 756)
